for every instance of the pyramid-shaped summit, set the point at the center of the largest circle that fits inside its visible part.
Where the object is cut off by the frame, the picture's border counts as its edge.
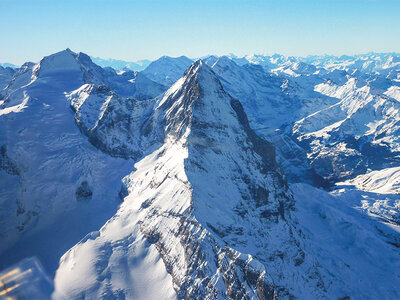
(203, 204)
(198, 100)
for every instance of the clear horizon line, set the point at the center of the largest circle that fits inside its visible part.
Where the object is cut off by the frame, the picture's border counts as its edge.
(207, 55)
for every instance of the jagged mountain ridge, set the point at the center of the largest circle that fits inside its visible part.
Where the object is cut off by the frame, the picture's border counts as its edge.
(197, 113)
(298, 104)
(193, 135)
(151, 216)
(292, 93)
(273, 103)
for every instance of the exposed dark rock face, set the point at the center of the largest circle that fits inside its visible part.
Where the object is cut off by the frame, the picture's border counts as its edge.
(6, 163)
(118, 124)
(264, 148)
(238, 271)
(83, 192)
(338, 166)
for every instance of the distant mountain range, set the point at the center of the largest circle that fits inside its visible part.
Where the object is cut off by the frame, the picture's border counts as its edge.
(7, 65)
(366, 62)
(117, 64)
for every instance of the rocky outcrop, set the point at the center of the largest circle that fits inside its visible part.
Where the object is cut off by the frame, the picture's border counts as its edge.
(6, 164)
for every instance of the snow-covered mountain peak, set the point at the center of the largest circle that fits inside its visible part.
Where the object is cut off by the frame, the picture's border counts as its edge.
(166, 70)
(117, 64)
(67, 63)
(190, 78)
(6, 74)
(198, 95)
(225, 63)
(204, 77)
(75, 69)
(65, 60)
(175, 201)
(210, 60)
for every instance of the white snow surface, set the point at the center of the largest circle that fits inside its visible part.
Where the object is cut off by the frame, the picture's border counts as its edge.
(350, 242)
(205, 212)
(385, 181)
(166, 70)
(46, 160)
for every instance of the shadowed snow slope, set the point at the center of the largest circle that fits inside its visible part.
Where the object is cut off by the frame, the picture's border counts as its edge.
(6, 75)
(53, 181)
(52, 178)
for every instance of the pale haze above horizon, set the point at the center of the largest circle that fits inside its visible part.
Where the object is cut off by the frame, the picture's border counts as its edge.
(134, 30)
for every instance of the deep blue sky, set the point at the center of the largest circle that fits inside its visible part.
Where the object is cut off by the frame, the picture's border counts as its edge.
(132, 30)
